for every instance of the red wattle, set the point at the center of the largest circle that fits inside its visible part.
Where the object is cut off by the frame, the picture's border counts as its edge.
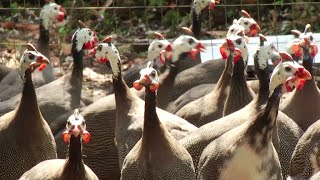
(223, 53)
(60, 16)
(42, 67)
(86, 137)
(66, 136)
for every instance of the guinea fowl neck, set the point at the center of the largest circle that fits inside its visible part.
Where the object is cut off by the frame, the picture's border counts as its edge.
(308, 65)
(196, 23)
(264, 79)
(28, 115)
(44, 39)
(76, 75)
(166, 81)
(264, 125)
(152, 125)
(239, 94)
(74, 162)
(123, 96)
(225, 77)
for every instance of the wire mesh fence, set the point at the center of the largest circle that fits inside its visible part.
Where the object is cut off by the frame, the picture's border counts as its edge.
(131, 22)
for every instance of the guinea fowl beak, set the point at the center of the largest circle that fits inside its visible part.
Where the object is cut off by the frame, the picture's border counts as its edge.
(302, 73)
(41, 62)
(254, 29)
(198, 48)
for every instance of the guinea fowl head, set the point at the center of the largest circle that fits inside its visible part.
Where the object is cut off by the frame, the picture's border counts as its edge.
(184, 44)
(52, 12)
(305, 44)
(76, 126)
(289, 74)
(267, 51)
(31, 59)
(199, 5)
(236, 46)
(251, 27)
(156, 46)
(106, 52)
(84, 37)
(148, 78)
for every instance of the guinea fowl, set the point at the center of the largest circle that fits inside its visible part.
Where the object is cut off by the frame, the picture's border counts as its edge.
(305, 158)
(208, 72)
(65, 92)
(25, 136)
(289, 132)
(247, 151)
(186, 61)
(73, 167)
(196, 14)
(183, 46)
(124, 112)
(296, 104)
(231, 92)
(157, 155)
(10, 85)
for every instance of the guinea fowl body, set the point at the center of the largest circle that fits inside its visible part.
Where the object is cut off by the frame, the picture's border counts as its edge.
(198, 114)
(296, 105)
(118, 130)
(204, 73)
(288, 131)
(304, 160)
(59, 96)
(4, 71)
(245, 152)
(25, 136)
(72, 168)
(157, 155)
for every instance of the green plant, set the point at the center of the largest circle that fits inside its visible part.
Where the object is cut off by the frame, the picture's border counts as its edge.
(171, 18)
(157, 2)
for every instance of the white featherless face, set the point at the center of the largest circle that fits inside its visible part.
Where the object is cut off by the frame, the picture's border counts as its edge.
(155, 47)
(148, 77)
(186, 43)
(76, 125)
(51, 12)
(105, 52)
(32, 60)
(199, 5)
(268, 51)
(290, 74)
(85, 38)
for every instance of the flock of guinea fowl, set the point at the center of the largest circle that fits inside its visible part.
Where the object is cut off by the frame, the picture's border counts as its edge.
(171, 117)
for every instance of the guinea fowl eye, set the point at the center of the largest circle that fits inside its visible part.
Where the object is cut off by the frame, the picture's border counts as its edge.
(288, 69)
(160, 46)
(191, 41)
(55, 8)
(90, 33)
(246, 23)
(31, 56)
(83, 123)
(239, 41)
(68, 123)
(99, 48)
(311, 38)
(232, 30)
(153, 73)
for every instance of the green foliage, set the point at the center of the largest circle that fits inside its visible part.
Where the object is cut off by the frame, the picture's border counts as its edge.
(171, 18)
(279, 2)
(157, 2)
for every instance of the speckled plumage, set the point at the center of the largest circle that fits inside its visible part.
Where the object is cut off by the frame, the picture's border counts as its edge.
(25, 137)
(305, 158)
(157, 155)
